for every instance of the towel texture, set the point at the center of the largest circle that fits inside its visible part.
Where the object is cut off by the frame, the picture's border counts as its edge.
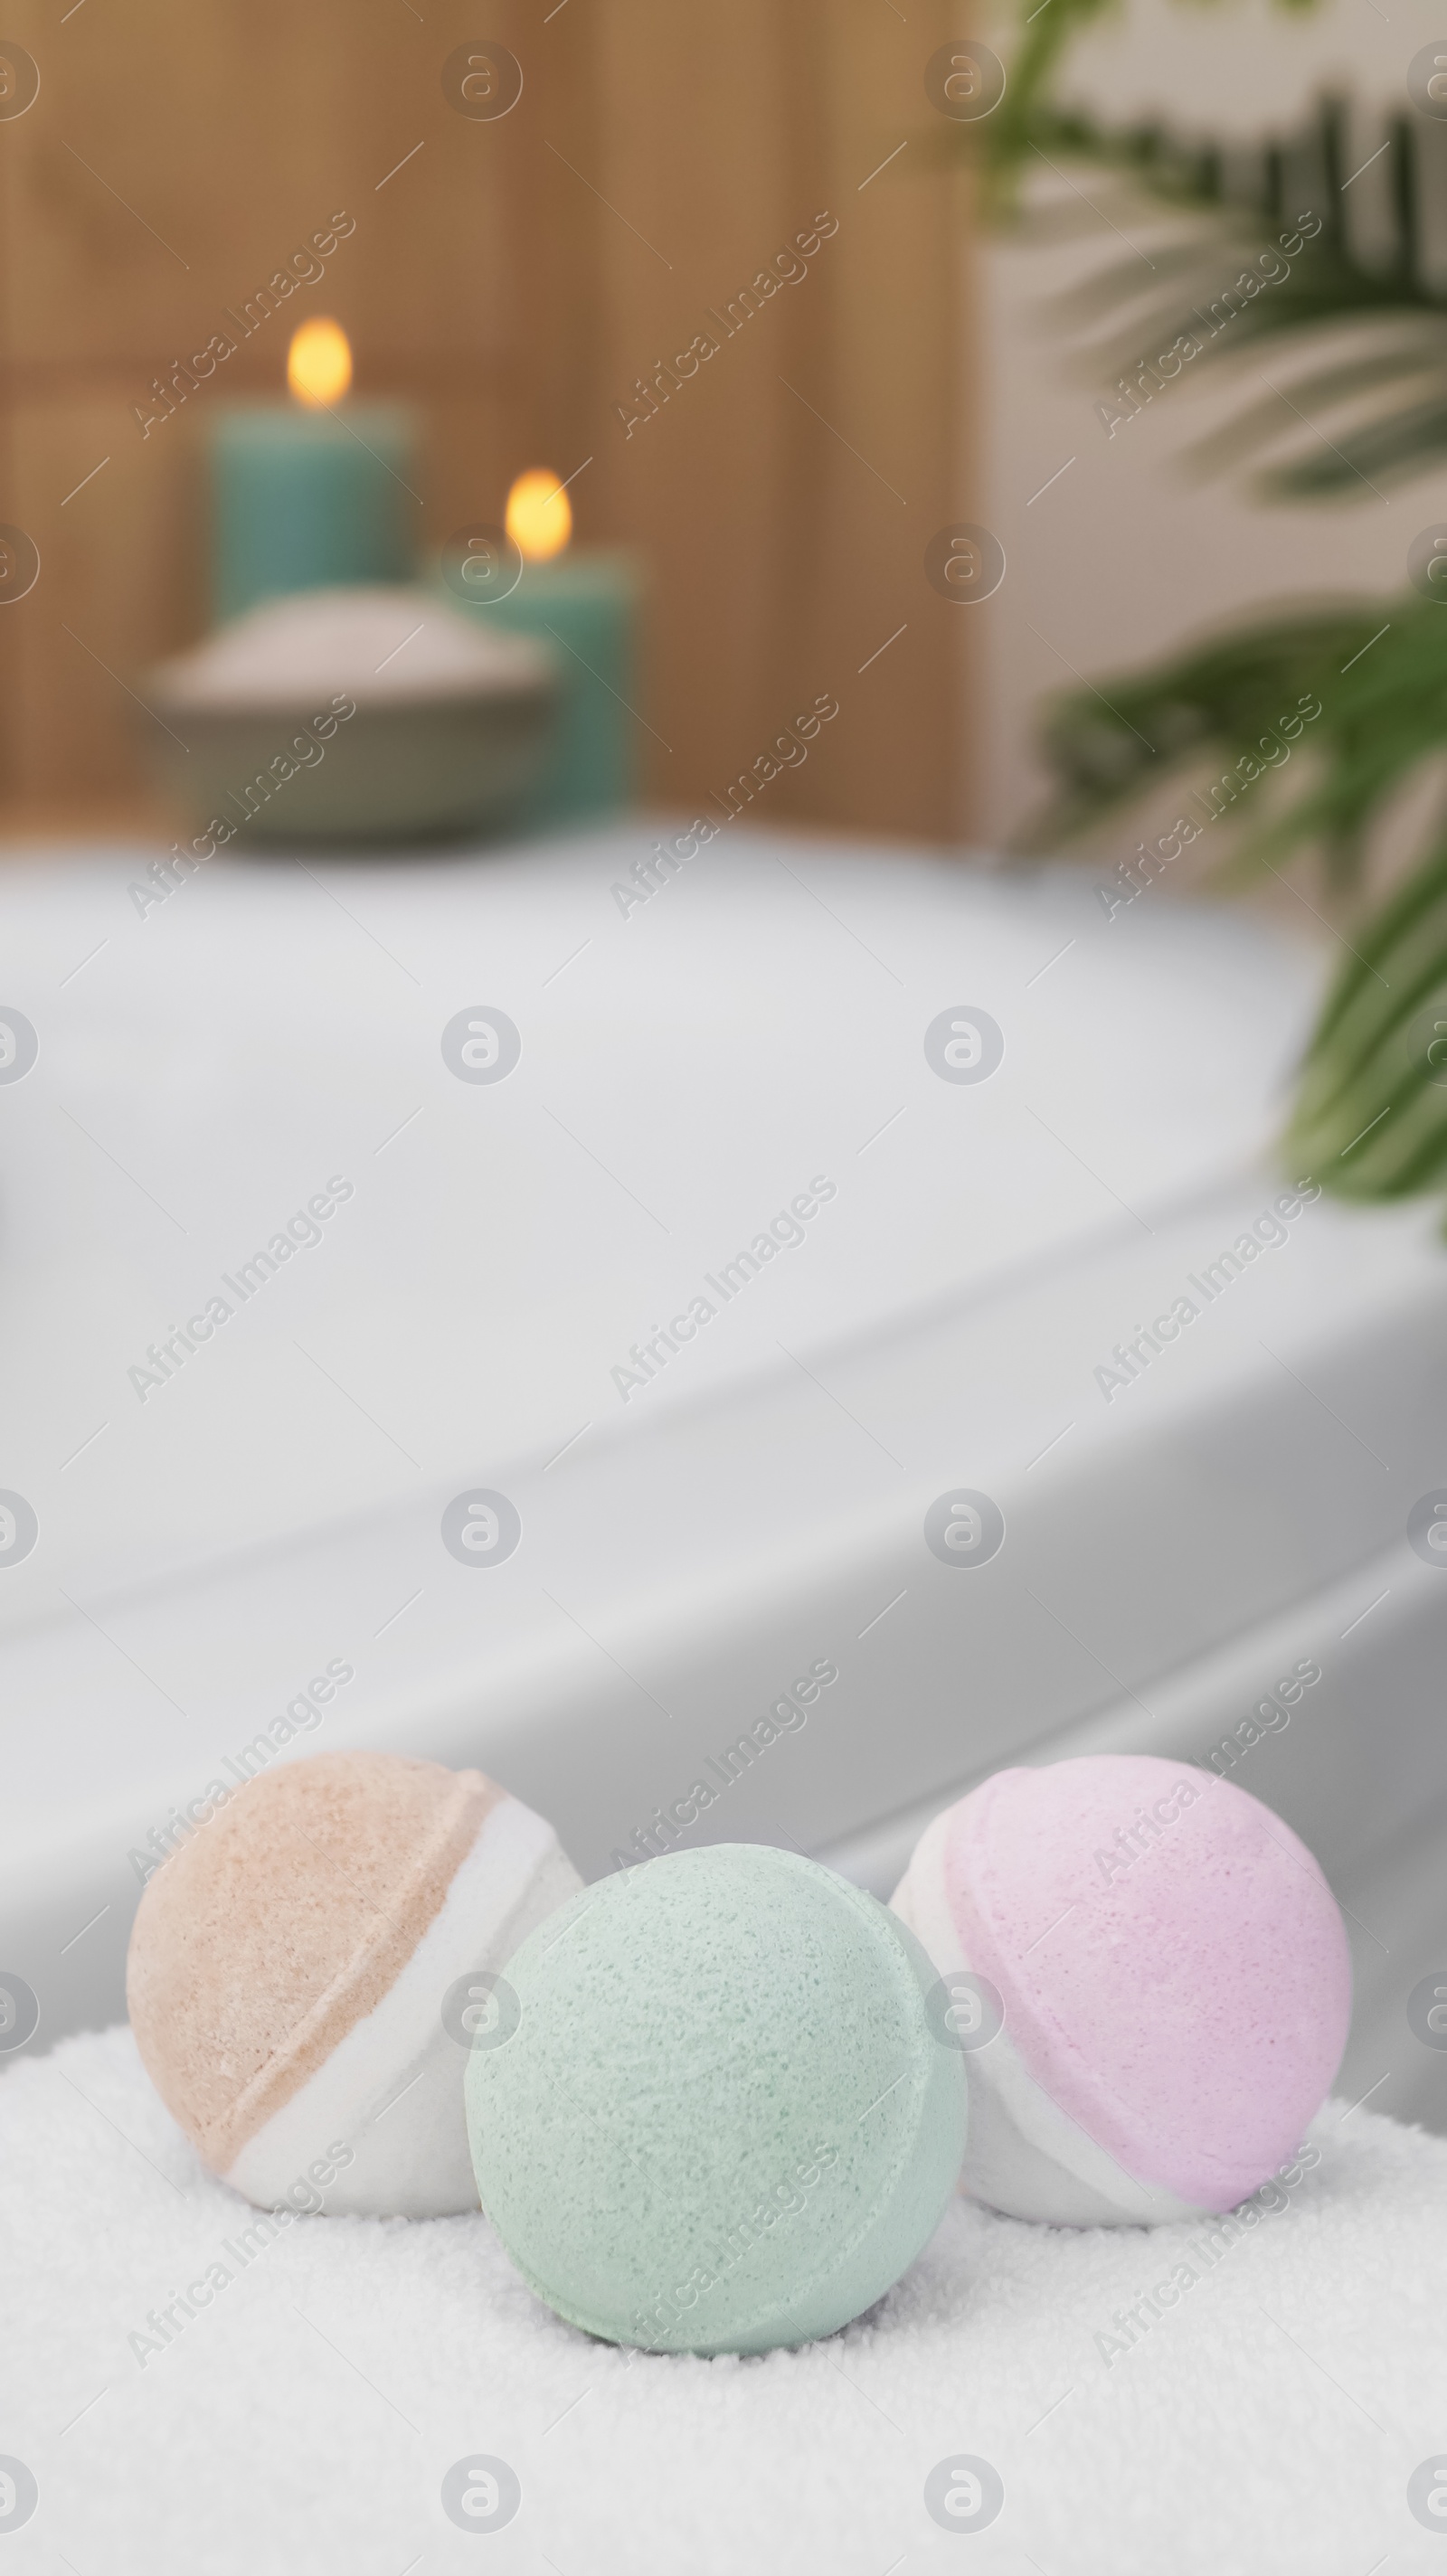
(306, 2414)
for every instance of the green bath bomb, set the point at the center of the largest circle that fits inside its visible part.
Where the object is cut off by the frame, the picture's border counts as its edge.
(723, 2119)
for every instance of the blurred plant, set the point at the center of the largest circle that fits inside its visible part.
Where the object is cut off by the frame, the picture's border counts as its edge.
(1382, 685)
(1371, 1114)
(1400, 321)
(1371, 1108)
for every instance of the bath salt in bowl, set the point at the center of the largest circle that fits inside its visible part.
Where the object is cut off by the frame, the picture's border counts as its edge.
(375, 715)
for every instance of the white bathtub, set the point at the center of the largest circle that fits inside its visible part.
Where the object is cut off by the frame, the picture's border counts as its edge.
(704, 1524)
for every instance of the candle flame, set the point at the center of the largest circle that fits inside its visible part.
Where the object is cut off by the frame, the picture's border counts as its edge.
(539, 516)
(319, 362)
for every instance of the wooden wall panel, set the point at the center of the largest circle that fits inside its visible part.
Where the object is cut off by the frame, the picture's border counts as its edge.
(514, 278)
(119, 578)
(790, 524)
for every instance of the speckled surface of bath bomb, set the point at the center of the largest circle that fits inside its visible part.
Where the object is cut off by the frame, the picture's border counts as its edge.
(724, 2121)
(297, 1975)
(1175, 1982)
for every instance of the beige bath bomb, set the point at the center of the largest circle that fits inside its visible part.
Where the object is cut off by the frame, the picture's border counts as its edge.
(308, 1973)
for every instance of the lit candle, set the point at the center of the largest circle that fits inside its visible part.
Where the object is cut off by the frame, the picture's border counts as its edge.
(583, 602)
(315, 491)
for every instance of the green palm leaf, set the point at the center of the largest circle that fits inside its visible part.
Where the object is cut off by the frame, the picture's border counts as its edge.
(1370, 1119)
(1371, 1114)
(1376, 670)
(1208, 291)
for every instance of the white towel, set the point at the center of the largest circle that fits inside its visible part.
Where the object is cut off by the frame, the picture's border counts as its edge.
(304, 2419)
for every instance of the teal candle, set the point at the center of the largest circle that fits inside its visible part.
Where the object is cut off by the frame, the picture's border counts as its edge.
(304, 499)
(584, 604)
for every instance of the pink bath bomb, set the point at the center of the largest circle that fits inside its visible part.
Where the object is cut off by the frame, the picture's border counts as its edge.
(1173, 1974)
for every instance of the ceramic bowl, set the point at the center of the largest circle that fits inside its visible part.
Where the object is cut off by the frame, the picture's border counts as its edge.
(367, 715)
